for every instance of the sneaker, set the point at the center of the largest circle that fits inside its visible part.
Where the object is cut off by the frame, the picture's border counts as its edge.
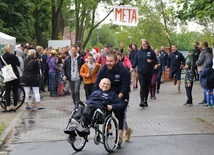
(141, 104)
(175, 81)
(188, 104)
(158, 91)
(28, 107)
(40, 107)
(79, 125)
(206, 106)
(128, 134)
(120, 141)
(179, 91)
(202, 102)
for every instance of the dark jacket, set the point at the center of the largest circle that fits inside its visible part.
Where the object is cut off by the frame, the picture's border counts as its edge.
(67, 66)
(164, 55)
(189, 77)
(195, 55)
(30, 76)
(120, 79)
(141, 60)
(13, 60)
(175, 60)
(132, 55)
(207, 76)
(101, 99)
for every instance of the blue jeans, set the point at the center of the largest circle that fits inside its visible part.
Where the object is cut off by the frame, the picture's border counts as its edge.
(52, 83)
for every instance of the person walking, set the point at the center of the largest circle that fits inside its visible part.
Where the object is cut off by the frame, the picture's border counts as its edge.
(152, 86)
(188, 80)
(120, 84)
(89, 72)
(164, 55)
(9, 58)
(134, 77)
(145, 60)
(176, 62)
(71, 70)
(160, 68)
(30, 79)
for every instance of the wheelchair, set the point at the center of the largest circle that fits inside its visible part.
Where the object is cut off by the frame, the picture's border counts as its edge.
(108, 136)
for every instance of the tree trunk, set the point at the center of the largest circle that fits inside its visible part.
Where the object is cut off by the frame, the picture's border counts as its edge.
(37, 28)
(165, 24)
(57, 20)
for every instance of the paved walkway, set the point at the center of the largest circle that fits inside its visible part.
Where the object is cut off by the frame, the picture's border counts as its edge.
(165, 116)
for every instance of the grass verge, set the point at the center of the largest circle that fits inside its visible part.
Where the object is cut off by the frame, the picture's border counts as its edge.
(2, 127)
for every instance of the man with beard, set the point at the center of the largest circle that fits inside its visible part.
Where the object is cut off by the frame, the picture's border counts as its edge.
(120, 83)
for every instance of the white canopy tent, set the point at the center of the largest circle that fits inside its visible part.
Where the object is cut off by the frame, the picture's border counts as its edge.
(4, 38)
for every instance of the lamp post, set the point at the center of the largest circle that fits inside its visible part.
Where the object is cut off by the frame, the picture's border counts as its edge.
(130, 38)
(116, 33)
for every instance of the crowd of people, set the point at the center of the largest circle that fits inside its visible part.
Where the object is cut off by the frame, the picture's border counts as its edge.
(61, 72)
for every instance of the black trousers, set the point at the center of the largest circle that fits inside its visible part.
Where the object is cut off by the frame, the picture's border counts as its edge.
(189, 94)
(159, 80)
(144, 80)
(88, 89)
(12, 85)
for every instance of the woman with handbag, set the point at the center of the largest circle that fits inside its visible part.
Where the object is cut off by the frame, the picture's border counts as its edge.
(10, 59)
(30, 79)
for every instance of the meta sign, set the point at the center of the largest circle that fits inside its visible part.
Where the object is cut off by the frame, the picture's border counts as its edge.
(125, 15)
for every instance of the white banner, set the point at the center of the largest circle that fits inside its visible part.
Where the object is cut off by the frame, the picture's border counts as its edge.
(125, 15)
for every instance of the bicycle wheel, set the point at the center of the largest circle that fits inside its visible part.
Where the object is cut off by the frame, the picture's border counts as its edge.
(110, 133)
(77, 142)
(2, 100)
(21, 97)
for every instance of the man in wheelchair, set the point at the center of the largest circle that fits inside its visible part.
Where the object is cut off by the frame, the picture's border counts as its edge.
(102, 98)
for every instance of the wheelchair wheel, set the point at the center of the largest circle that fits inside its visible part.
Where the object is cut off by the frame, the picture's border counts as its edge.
(78, 143)
(110, 133)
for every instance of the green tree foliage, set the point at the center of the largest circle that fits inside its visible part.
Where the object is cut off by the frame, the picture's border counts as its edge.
(195, 9)
(16, 19)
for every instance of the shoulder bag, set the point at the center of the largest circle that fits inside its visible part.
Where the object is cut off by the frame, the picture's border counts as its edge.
(7, 72)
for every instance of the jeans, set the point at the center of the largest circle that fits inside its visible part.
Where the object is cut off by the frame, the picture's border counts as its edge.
(52, 83)
(75, 91)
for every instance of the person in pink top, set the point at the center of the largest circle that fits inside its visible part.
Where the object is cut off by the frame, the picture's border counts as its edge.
(124, 59)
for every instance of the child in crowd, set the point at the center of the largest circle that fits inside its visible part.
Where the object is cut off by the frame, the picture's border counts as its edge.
(189, 76)
(60, 81)
(207, 82)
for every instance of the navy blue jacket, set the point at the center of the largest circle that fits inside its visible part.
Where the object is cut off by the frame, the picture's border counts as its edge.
(132, 55)
(141, 60)
(101, 99)
(175, 60)
(120, 79)
(207, 76)
(164, 55)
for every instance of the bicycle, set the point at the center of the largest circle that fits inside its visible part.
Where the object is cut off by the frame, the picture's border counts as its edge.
(21, 95)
